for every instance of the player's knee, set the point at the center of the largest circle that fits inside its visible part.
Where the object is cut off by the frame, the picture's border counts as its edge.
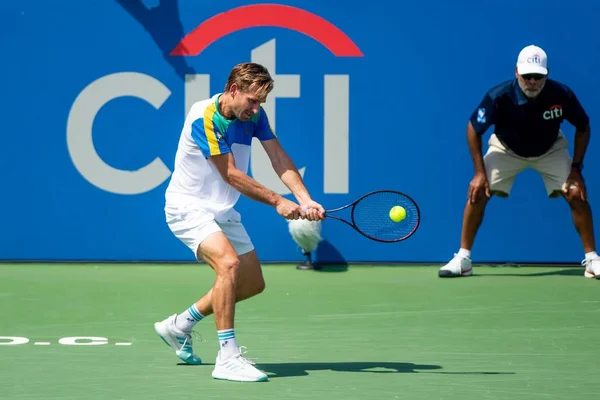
(228, 267)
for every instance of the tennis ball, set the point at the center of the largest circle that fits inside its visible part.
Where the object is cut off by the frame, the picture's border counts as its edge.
(397, 213)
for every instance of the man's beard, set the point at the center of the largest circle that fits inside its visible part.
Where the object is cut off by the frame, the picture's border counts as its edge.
(532, 94)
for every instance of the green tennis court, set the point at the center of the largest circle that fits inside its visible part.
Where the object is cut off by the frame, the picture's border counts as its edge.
(368, 332)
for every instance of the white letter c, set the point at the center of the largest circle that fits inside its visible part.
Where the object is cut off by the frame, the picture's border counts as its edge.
(79, 133)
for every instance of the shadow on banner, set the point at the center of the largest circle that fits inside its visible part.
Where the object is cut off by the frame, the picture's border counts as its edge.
(163, 23)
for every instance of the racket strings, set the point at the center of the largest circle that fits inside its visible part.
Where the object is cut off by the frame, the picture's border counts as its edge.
(371, 216)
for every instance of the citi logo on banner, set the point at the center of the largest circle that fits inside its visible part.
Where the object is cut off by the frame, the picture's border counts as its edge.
(336, 96)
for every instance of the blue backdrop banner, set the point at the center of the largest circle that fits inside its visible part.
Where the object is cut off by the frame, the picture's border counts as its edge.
(95, 93)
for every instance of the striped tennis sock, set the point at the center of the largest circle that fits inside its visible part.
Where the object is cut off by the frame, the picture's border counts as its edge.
(227, 343)
(187, 319)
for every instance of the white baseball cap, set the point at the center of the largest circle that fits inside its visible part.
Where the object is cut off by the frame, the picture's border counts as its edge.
(532, 60)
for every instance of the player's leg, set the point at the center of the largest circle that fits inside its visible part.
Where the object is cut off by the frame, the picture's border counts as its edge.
(192, 226)
(238, 277)
(250, 280)
(234, 366)
(555, 167)
(250, 283)
(218, 252)
(502, 166)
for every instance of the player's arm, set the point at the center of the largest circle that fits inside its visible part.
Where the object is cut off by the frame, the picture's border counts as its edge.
(280, 161)
(243, 183)
(246, 185)
(286, 169)
(289, 175)
(217, 151)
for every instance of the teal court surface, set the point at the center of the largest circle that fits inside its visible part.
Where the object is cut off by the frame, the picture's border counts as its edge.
(85, 331)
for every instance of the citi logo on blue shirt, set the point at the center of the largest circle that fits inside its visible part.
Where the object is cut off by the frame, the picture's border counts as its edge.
(554, 112)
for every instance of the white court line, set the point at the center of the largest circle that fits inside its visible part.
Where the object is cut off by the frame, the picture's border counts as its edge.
(42, 343)
(122, 344)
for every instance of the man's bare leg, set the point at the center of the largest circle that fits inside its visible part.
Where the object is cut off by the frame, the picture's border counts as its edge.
(582, 219)
(218, 252)
(250, 283)
(460, 265)
(472, 218)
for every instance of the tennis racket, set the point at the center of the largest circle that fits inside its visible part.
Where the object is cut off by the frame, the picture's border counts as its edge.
(370, 216)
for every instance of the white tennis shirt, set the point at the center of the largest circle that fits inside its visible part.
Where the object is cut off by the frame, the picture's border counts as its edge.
(206, 133)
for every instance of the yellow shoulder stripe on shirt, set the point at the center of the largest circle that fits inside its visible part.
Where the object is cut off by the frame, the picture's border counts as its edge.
(209, 130)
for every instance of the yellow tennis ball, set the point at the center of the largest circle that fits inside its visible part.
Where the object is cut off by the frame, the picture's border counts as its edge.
(397, 213)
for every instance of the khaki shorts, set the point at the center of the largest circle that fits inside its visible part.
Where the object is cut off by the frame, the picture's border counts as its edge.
(192, 226)
(503, 165)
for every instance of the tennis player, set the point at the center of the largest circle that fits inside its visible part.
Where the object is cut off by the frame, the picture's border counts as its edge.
(527, 113)
(210, 173)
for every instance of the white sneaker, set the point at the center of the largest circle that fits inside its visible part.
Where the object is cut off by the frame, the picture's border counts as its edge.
(458, 266)
(592, 268)
(237, 368)
(178, 340)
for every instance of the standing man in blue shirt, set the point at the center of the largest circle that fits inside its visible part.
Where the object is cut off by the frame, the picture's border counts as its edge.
(527, 113)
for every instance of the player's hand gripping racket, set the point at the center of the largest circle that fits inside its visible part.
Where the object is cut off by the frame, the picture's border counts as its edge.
(383, 215)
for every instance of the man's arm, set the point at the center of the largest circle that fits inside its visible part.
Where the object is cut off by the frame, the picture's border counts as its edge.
(474, 142)
(243, 183)
(575, 178)
(480, 120)
(286, 169)
(479, 184)
(281, 162)
(251, 188)
(582, 138)
(576, 115)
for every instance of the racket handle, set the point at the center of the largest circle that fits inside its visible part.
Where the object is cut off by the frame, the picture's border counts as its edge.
(304, 210)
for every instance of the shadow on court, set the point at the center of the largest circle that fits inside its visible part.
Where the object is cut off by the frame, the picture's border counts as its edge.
(302, 369)
(326, 258)
(331, 267)
(570, 271)
(284, 370)
(329, 258)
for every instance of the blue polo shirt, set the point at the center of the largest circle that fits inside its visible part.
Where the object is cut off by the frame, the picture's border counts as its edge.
(529, 127)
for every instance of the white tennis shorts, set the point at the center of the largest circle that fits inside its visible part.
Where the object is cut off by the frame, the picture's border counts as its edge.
(503, 165)
(192, 226)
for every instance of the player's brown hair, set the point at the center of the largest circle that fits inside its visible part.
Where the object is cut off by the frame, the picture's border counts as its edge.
(251, 77)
